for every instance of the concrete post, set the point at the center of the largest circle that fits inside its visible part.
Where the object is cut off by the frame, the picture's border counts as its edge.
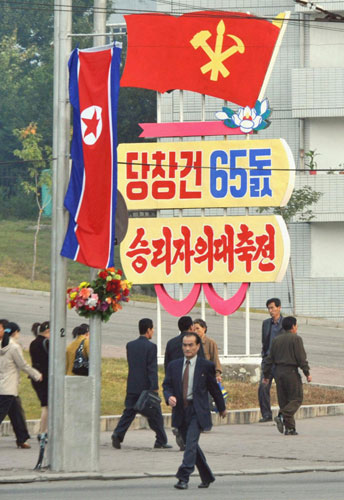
(57, 346)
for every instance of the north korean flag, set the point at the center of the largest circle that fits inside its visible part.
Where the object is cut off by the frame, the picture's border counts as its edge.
(92, 191)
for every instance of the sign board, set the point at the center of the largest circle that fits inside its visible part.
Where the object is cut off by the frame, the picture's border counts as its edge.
(206, 250)
(207, 174)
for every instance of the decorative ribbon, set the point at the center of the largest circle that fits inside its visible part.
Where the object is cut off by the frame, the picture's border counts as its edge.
(187, 129)
(178, 307)
(225, 307)
(181, 307)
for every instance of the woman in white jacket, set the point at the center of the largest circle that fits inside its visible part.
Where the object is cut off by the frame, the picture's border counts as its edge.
(11, 362)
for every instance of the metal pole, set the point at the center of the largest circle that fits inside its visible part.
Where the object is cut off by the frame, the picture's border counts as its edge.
(247, 311)
(225, 322)
(99, 26)
(158, 213)
(203, 209)
(57, 347)
(99, 23)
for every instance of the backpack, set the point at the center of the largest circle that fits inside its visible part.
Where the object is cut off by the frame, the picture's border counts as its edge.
(80, 365)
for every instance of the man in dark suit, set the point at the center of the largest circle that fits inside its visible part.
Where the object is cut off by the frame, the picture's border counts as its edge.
(174, 348)
(271, 328)
(186, 387)
(143, 374)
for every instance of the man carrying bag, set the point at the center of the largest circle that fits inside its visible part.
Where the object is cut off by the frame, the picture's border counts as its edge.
(142, 376)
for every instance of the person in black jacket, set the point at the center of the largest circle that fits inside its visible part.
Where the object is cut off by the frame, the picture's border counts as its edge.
(271, 328)
(186, 387)
(174, 348)
(287, 354)
(142, 375)
(39, 352)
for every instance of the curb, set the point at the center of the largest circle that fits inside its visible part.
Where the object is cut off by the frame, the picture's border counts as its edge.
(77, 476)
(247, 416)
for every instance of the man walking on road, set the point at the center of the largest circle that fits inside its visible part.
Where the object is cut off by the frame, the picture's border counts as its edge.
(271, 328)
(186, 387)
(287, 354)
(142, 375)
(174, 350)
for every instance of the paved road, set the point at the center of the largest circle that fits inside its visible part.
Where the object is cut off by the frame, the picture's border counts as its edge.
(324, 344)
(306, 486)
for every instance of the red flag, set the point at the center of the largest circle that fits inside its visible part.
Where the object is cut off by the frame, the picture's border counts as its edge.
(92, 191)
(222, 54)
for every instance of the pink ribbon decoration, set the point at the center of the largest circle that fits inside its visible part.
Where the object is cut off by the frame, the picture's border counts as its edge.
(178, 307)
(187, 129)
(225, 307)
(181, 307)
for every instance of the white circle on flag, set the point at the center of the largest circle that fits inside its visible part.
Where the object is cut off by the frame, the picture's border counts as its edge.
(91, 124)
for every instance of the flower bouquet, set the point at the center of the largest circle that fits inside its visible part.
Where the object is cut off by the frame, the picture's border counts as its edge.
(101, 297)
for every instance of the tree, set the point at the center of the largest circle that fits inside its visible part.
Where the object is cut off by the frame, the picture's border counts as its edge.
(38, 158)
(298, 207)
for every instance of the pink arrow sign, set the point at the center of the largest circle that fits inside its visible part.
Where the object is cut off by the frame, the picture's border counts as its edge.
(187, 129)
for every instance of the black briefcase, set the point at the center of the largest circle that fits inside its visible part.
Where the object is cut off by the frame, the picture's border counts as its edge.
(148, 403)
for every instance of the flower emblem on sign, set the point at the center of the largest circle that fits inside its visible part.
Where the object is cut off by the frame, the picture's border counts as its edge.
(91, 124)
(247, 119)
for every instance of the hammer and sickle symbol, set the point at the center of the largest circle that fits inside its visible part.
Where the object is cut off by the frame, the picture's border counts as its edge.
(216, 56)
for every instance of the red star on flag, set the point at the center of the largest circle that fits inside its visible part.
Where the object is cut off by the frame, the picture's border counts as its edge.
(92, 124)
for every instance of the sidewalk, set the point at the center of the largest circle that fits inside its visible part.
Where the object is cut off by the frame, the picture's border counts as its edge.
(230, 449)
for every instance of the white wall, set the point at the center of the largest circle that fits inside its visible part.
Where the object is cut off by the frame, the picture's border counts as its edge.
(326, 135)
(326, 45)
(327, 247)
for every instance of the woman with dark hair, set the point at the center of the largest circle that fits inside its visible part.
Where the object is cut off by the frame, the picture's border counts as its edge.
(11, 362)
(39, 352)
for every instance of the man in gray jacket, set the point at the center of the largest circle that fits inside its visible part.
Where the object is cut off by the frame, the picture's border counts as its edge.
(271, 328)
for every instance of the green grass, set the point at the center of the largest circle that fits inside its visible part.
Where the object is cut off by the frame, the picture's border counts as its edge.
(16, 256)
(114, 376)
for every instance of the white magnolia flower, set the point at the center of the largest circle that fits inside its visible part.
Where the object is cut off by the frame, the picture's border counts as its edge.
(247, 119)
(221, 115)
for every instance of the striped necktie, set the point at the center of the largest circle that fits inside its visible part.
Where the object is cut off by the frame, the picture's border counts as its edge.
(186, 382)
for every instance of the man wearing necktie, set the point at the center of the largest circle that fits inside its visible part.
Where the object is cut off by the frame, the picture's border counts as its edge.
(187, 383)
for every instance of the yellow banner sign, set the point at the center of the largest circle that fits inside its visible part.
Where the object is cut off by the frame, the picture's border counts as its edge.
(206, 250)
(246, 173)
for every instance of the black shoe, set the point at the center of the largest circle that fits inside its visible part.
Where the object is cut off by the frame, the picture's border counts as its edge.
(265, 419)
(279, 423)
(116, 443)
(181, 485)
(160, 445)
(205, 484)
(179, 439)
(291, 432)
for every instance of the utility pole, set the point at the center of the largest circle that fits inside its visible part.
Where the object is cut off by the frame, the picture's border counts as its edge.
(61, 127)
(74, 402)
